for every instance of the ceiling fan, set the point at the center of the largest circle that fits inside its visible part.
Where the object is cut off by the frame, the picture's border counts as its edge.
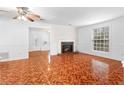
(3, 11)
(25, 14)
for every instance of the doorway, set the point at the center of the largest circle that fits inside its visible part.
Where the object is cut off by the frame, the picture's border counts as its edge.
(39, 41)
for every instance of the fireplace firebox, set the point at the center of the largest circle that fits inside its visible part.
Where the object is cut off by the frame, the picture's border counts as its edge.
(67, 47)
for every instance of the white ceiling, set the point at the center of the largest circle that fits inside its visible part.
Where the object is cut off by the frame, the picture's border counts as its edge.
(77, 16)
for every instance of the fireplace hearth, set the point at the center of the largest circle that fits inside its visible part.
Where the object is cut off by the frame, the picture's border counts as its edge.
(67, 47)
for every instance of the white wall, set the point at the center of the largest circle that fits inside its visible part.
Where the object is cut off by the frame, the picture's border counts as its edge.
(85, 43)
(61, 33)
(37, 39)
(14, 38)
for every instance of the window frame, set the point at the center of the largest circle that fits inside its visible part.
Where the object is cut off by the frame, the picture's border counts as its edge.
(101, 35)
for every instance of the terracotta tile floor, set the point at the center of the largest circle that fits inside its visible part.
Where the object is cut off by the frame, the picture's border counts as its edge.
(70, 68)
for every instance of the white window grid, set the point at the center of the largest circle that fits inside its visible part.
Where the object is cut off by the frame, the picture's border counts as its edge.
(101, 39)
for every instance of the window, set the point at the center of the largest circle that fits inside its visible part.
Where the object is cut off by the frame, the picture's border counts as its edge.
(101, 39)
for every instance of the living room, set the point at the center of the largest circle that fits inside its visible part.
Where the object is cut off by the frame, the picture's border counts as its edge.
(68, 46)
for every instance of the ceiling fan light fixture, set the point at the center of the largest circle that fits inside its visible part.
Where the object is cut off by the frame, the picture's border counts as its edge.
(22, 18)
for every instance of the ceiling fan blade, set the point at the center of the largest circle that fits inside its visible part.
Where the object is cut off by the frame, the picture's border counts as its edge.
(29, 18)
(15, 17)
(3, 11)
(34, 16)
(23, 8)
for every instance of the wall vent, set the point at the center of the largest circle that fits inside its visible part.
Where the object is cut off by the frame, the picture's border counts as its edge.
(4, 55)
